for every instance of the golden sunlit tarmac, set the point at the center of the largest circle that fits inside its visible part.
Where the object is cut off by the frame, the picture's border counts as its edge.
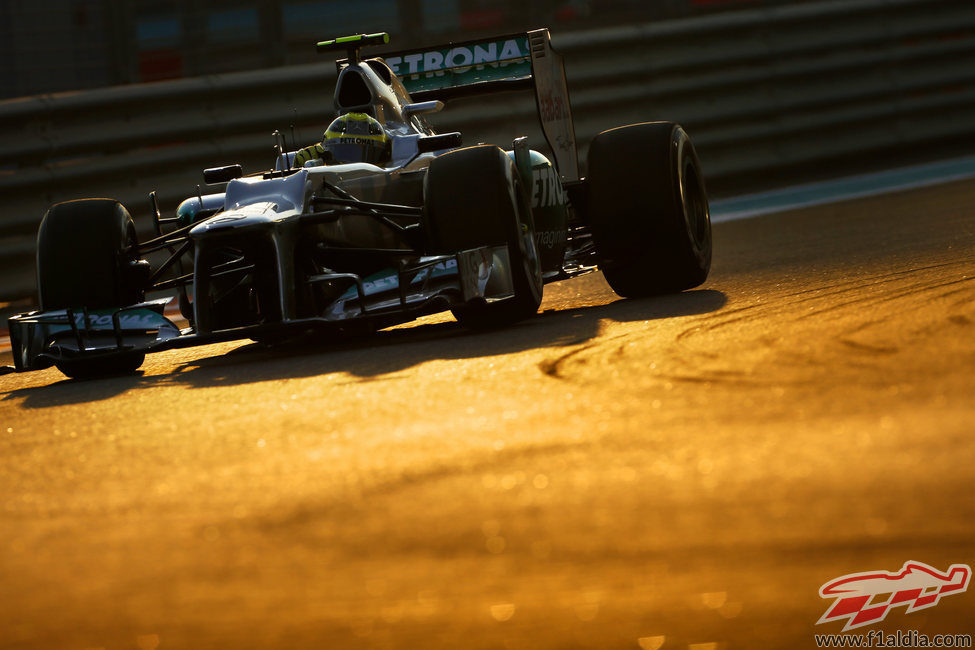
(680, 472)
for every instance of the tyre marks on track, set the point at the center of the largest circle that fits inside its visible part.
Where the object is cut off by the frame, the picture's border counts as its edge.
(876, 327)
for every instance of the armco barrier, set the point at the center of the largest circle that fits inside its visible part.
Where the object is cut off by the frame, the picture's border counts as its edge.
(767, 94)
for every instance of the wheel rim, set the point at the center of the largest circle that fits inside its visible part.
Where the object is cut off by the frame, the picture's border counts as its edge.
(529, 249)
(694, 202)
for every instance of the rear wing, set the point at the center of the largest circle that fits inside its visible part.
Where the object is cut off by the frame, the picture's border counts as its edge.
(512, 62)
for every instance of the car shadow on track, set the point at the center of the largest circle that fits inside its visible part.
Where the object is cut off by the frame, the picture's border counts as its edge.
(380, 356)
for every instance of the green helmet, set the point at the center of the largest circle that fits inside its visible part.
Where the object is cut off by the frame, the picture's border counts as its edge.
(357, 137)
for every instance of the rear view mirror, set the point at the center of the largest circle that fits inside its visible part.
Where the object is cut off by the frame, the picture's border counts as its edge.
(422, 108)
(216, 175)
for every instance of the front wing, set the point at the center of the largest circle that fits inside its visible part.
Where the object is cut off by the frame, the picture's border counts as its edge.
(427, 285)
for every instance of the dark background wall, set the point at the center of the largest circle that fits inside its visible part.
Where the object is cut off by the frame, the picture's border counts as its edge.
(63, 45)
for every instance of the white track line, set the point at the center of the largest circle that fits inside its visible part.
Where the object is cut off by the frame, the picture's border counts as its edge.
(842, 189)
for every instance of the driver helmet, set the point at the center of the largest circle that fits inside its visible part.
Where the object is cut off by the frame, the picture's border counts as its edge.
(357, 137)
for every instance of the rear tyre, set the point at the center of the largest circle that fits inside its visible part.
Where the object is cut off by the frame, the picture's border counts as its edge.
(85, 251)
(649, 209)
(474, 197)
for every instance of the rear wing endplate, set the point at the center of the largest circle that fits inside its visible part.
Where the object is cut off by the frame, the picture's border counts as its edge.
(500, 63)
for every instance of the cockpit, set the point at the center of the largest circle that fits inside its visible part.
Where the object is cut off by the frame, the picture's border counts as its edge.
(370, 87)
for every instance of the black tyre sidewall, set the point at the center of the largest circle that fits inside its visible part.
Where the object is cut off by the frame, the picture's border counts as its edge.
(647, 204)
(82, 252)
(474, 197)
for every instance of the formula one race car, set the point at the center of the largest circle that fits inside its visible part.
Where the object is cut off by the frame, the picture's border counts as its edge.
(381, 222)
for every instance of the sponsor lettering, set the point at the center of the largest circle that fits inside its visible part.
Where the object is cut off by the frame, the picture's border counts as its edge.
(553, 107)
(546, 188)
(460, 59)
(550, 238)
(352, 140)
(126, 321)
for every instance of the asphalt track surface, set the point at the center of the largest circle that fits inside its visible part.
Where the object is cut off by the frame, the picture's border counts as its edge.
(678, 472)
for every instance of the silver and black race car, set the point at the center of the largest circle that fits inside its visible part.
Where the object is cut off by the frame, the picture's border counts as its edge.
(382, 222)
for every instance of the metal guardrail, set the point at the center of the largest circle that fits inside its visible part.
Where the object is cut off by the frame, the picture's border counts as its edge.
(767, 94)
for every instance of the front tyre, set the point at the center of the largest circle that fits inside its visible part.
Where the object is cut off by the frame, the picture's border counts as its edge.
(474, 197)
(648, 207)
(85, 254)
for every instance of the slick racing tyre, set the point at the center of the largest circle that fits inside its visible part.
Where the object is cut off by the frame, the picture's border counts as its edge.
(84, 254)
(649, 209)
(474, 197)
